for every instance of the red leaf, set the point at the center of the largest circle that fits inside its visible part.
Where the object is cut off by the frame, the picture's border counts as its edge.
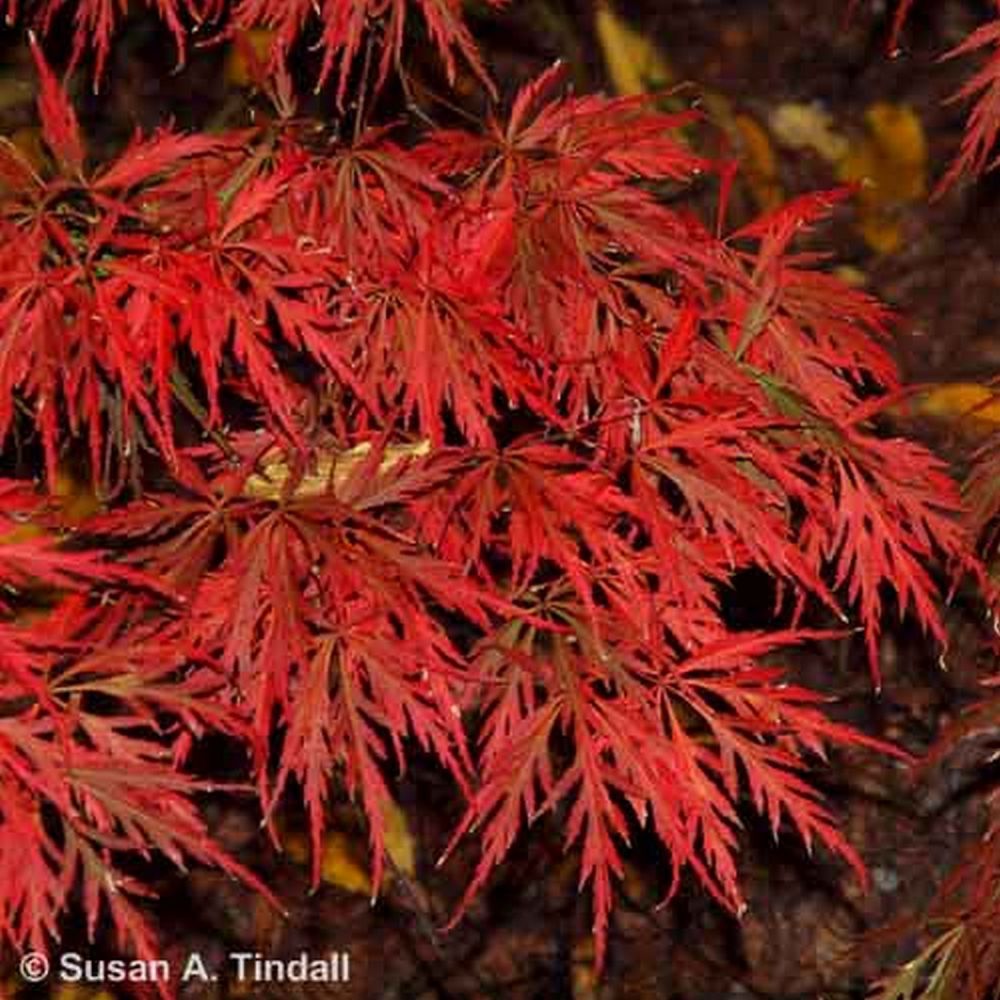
(978, 150)
(59, 125)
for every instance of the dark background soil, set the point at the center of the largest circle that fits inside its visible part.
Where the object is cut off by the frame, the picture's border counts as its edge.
(804, 934)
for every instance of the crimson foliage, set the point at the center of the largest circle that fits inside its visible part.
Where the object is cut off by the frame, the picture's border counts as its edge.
(457, 443)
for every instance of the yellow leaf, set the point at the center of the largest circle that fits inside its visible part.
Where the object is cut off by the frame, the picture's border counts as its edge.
(77, 501)
(399, 841)
(890, 162)
(255, 43)
(634, 64)
(760, 167)
(879, 230)
(808, 126)
(74, 500)
(75, 991)
(898, 137)
(977, 407)
(28, 141)
(344, 860)
(330, 470)
(851, 275)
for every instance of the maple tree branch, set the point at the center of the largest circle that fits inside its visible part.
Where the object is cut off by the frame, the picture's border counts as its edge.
(184, 394)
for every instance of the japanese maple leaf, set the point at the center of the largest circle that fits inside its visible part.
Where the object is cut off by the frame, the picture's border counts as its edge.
(661, 748)
(90, 764)
(978, 151)
(343, 25)
(372, 200)
(434, 343)
(808, 329)
(890, 508)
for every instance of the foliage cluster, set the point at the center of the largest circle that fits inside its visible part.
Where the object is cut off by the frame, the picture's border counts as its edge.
(454, 440)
